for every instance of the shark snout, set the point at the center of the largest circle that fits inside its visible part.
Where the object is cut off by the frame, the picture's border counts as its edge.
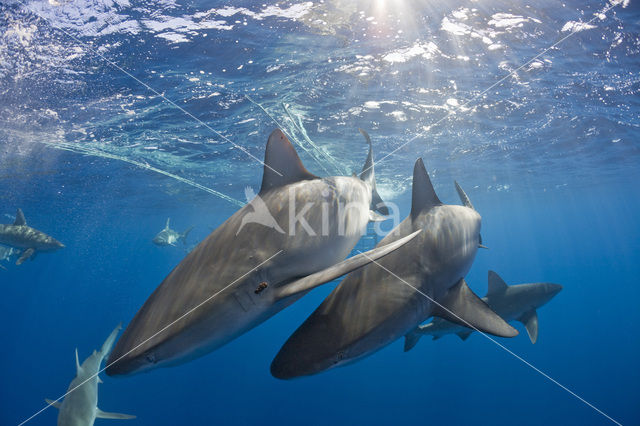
(553, 289)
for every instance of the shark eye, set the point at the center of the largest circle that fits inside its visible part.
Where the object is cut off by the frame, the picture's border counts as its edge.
(150, 357)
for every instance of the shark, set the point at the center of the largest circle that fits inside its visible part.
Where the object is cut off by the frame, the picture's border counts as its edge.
(80, 405)
(235, 279)
(513, 303)
(6, 253)
(169, 237)
(27, 239)
(383, 301)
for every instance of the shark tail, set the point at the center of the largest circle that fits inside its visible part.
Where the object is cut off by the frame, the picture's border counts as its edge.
(108, 344)
(183, 236)
(367, 174)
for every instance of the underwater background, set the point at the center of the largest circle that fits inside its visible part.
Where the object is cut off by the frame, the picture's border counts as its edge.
(547, 149)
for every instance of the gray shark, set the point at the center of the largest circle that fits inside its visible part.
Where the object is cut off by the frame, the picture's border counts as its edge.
(372, 306)
(237, 278)
(513, 303)
(169, 237)
(80, 405)
(6, 253)
(20, 236)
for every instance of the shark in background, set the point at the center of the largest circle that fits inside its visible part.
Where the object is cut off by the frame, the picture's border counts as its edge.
(6, 253)
(80, 405)
(27, 239)
(373, 306)
(169, 237)
(247, 270)
(513, 303)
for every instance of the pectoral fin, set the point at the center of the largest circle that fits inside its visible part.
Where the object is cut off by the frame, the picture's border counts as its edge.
(53, 403)
(104, 415)
(461, 306)
(25, 255)
(314, 280)
(530, 321)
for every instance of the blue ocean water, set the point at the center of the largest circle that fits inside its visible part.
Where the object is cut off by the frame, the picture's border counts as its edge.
(546, 147)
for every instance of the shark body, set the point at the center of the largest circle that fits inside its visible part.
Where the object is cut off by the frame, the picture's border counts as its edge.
(80, 405)
(383, 301)
(513, 303)
(245, 271)
(169, 237)
(27, 239)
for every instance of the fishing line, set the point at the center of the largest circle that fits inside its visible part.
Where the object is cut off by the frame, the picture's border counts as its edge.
(292, 138)
(499, 344)
(65, 146)
(190, 311)
(157, 93)
(306, 137)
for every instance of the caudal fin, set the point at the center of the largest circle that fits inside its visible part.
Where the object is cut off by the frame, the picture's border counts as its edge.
(183, 237)
(108, 344)
(367, 174)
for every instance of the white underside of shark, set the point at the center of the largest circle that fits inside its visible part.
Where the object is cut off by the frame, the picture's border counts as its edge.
(80, 406)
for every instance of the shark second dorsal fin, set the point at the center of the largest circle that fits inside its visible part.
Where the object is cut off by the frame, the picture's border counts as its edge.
(411, 339)
(463, 196)
(282, 165)
(496, 284)
(464, 335)
(423, 195)
(461, 306)
(20, 220)
(530, 321)
(367, 175)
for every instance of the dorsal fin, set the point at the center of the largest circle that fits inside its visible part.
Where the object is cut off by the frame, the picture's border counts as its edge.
(424, 196)
(78, 367)
(167, 225)
(20, 220)
(463, 196)
(496, 284)
(282, 165)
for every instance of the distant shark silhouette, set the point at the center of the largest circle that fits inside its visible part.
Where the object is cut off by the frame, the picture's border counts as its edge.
(80, 405)
(372, 307)
(169, 237)
(513, 303)
(30, 240)
(235, 280)
(6, 253)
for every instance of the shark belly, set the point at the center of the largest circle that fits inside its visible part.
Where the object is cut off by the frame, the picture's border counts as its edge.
(79, 407)
(211, 297)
